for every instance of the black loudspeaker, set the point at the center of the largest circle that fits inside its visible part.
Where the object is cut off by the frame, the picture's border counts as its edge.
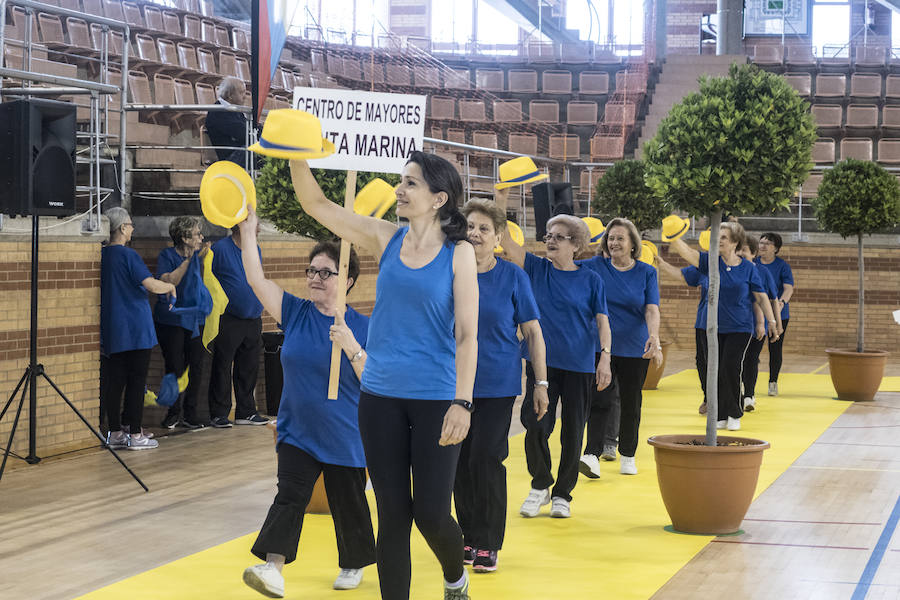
(543, 196)
(562, 200)
(37, 157)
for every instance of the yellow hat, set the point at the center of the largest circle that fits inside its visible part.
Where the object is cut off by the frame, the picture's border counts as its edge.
(596, 227)
(515, 232)
(648, 252)
(673, 227)
(226, 191)
(292, 134)
(704, 240)
(375, 199)
(519, 171)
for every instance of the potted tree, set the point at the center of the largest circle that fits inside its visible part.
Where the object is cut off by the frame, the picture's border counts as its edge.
(741, 144)
(857, 198)
(622, 192)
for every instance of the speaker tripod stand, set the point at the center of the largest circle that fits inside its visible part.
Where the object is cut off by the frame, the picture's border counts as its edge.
(28, 382)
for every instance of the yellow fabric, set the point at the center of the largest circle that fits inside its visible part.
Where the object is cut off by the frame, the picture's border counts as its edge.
(515, 232)
(219, 299)
(183, 380)
(149, 397)
(704, 240)
(614, 546)
(374, 199)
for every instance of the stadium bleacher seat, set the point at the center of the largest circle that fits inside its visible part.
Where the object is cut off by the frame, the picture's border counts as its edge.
(457, 79)
(426, 77)
(564, 146)
(593, 83)
(862, 116)
(823, 151)
(801, 82)
(398, 75)
(581, 112)
(810, 187)
(443, 108)
(828, 116)
(890, 117)
(831, 85)
(489, 80)
(871, 57)
(523, 81)
(620, 113)
(543, 111)
(889, 151)
(607, 147)
(556, 82)
(471, 110)
(800, 57)
(858, 148)
(523, 143)
(767, 55)
(865, 85)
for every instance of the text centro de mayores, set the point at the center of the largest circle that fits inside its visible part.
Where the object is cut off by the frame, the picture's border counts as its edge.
(371, 112)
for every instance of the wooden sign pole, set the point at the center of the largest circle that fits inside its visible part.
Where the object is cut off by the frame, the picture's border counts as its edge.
(341, 303)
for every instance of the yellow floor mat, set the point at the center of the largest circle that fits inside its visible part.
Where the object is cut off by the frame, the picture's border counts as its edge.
(614, 545)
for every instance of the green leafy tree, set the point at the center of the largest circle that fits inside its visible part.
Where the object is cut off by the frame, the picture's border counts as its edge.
(622, 192)
(741, 144)
(857, 198)
(277, 202)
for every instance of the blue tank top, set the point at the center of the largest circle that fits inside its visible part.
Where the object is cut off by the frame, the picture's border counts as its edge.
(412, 341)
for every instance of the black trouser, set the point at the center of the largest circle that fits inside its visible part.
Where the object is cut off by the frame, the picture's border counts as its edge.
(574, 390)
(398, 435)
(700, 357)
(124, 372)
(480, 489)
(751, 367)
(239, 341)
(732, 347)
(346, 490)
(629, 374)
(605, 413)
(179, 351)
(775, 349)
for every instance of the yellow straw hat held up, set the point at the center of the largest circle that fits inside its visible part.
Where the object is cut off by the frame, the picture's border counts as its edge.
(673, 227)
(515, 232)
(226, 191)
(375, 199)
(519, 171)
(293, 135)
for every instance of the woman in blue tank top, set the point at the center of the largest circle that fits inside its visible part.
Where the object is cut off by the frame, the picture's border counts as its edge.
(416, 400)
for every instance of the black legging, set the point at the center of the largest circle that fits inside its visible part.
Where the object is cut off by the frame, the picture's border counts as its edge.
(399, 434)
(775, 354)
(180, 350)
(628, 375)
(732, 347)
(751, 367)
(700, 357)
(124, 372)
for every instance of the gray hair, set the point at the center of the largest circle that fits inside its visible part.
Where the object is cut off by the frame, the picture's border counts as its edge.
(577, 228)
(488, 209)
(182, 227)
(117, 216)
(231, 90)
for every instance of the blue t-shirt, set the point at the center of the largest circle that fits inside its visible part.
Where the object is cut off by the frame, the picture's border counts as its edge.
(328, 430)
(781, 274)
(569, 302)
(228, 268)
(771, 292)
(627, 295)
(126, 322)
(736, 285)
(412, 336)
(694, 278)
(505, 301)
(191, 293)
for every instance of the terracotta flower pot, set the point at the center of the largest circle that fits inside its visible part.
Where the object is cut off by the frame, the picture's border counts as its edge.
(654, 373)
(707, 490)
(856, 375)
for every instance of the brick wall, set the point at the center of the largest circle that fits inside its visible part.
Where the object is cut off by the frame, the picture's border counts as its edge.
(68, 337)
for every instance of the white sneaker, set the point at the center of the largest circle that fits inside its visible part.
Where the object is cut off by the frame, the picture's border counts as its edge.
(749, 404)
(348, 579)
(773, 388)
(589, 466)
(733, 424)
(627, 466)
(533, 503)
(721, 424)
(265, 579)
(560, 508)
(139, 441)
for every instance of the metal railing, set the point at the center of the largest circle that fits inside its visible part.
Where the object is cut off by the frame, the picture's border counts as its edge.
(98, 133)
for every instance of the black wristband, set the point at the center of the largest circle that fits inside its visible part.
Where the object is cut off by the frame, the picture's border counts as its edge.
(465, 404)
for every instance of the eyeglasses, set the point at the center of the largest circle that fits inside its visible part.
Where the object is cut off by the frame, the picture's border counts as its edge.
(556, 237)
(322, 273)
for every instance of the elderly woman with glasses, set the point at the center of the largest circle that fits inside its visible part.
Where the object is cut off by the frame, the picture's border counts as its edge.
(126, 333)
(315, 435)
(572, 305)
(180, 331)
(769, 246)
(632, 296)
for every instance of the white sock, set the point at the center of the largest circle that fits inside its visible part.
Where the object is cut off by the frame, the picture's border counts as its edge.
(458, 584)
(276, 560)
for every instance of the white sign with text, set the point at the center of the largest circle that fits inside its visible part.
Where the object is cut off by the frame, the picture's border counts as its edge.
(371, 131)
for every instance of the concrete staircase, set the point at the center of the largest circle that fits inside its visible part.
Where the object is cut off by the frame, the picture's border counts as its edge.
(678, 79)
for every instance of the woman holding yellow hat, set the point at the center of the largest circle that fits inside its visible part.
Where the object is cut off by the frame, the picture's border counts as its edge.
(632, 296)
(740, 285)
(314, 435)
(416, 401)
(506, 304)
(573, 308)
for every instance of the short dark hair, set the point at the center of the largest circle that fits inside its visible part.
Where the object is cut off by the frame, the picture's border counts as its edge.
(181, 228)
(774, 238)
(332, 249)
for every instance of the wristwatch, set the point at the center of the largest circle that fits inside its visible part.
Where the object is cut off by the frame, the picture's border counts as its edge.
(357, 356)
(602, 350)
(542, 383)
(465, 404)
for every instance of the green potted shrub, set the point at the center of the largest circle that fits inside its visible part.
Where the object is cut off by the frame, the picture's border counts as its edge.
(278, 203)
(741, 144)
(857, 198)
(622, 192)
